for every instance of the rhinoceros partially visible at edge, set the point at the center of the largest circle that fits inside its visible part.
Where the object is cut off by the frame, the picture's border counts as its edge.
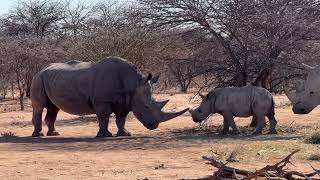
(307, 96)
(112, 85)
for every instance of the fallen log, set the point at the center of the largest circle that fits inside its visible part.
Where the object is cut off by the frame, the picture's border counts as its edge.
(275, 171)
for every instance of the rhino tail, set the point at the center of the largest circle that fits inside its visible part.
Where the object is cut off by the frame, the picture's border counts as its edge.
(272, 108)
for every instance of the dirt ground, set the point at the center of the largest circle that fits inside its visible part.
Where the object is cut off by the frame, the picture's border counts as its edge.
(173, 151)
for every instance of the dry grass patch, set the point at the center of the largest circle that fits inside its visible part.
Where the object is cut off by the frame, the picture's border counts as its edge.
(314, 157)
(8, 135)
(314, 138)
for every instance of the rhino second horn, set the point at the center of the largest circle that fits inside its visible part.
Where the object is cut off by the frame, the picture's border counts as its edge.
(161, 104)
(291, 96)
(164, 116)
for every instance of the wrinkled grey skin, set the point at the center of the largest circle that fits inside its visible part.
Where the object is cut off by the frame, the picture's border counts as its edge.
(112, 85)
(239, 102)
(307, 96)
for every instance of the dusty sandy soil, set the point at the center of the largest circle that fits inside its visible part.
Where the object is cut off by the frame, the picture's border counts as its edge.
(173, 151)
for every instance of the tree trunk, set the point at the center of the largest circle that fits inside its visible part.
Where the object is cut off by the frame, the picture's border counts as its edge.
(12, 89)
(21, 90)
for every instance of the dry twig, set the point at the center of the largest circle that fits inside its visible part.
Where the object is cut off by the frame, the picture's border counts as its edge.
(275, 171)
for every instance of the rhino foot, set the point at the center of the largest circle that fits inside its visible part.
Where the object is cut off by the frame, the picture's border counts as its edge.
(257, 133)
(104, 134)
(235, 132)
(123, 133)
(224, 132)
(273, 132)
(37, 134)
(53, 133)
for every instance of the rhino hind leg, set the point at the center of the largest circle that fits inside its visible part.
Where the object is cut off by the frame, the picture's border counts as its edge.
(37, 122)
(103, 112)
(273, 124)
(50, 119)
(120, 121)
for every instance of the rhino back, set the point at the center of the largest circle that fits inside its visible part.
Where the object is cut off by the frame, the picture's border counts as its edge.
(75, 87)
(114, 75)
(68, 86)
(242, 100)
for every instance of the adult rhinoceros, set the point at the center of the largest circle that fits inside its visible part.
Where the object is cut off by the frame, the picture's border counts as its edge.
(307, 96)
(112, 85)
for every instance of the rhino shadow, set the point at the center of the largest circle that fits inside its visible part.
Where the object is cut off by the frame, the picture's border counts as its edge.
(182, 138)
(212, 134)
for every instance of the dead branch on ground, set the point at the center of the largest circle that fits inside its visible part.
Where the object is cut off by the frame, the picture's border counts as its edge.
(275, 171)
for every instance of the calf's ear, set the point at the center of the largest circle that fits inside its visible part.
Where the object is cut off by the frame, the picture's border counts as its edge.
(202, 96)
(155, 78)
(149, 77)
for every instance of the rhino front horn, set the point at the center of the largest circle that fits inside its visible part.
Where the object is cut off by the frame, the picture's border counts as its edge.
(167, 116)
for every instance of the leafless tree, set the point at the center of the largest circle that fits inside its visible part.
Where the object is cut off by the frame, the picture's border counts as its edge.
(255, 36)
(39, 18)
(76, 17)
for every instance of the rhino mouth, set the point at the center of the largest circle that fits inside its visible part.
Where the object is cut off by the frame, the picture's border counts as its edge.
(300, 108)
(198, 118)
(152, 116)
(151, 126)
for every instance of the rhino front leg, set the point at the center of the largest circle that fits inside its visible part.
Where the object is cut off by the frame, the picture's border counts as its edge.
(254, 121)
(103, 112)
(228, 117)
(226, 126)
(120, 121)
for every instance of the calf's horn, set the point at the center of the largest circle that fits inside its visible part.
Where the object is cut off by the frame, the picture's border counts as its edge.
(167, 116)
(308, 66)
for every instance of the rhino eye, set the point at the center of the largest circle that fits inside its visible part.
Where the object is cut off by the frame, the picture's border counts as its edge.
(311, 92)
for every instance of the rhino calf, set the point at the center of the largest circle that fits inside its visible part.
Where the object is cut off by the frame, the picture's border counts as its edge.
(239, 102)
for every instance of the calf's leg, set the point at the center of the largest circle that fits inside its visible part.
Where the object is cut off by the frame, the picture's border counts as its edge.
(254, 121)
(228, 117)
(226, 126)
(261, 123)
(273, 124)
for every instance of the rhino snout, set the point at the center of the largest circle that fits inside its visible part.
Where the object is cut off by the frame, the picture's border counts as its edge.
(151, 125)
(194, 115)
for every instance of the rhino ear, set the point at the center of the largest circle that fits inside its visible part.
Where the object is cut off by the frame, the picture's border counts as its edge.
(149, 77)
(202, 96)
(152, 79)
(155, 78)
